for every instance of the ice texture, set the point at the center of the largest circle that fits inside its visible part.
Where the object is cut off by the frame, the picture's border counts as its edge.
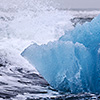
(71, 64)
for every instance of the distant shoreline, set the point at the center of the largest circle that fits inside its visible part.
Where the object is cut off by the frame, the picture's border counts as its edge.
(80, 9)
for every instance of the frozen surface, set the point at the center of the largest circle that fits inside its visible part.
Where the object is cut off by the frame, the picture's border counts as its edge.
(70, 64)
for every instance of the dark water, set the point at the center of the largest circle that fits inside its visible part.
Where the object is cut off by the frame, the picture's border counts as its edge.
(29, 84)
(80, 20)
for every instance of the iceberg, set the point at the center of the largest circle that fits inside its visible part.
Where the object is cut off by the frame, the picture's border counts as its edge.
(71, 64)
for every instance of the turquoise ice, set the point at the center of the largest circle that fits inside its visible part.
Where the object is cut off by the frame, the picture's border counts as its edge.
(71, 64)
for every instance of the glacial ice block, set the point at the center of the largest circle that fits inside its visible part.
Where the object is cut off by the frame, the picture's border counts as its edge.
(61, 64)
(71, 64)
(88, 34)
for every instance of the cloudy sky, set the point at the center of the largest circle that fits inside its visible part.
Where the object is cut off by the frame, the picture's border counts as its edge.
(78, 3)
(64, 4)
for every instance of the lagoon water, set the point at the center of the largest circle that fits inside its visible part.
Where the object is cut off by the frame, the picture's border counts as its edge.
(19, 28)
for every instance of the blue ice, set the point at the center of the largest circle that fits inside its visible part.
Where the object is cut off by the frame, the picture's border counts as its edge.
(71, 64)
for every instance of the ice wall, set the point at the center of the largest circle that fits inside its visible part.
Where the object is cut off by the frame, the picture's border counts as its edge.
(70, 64)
